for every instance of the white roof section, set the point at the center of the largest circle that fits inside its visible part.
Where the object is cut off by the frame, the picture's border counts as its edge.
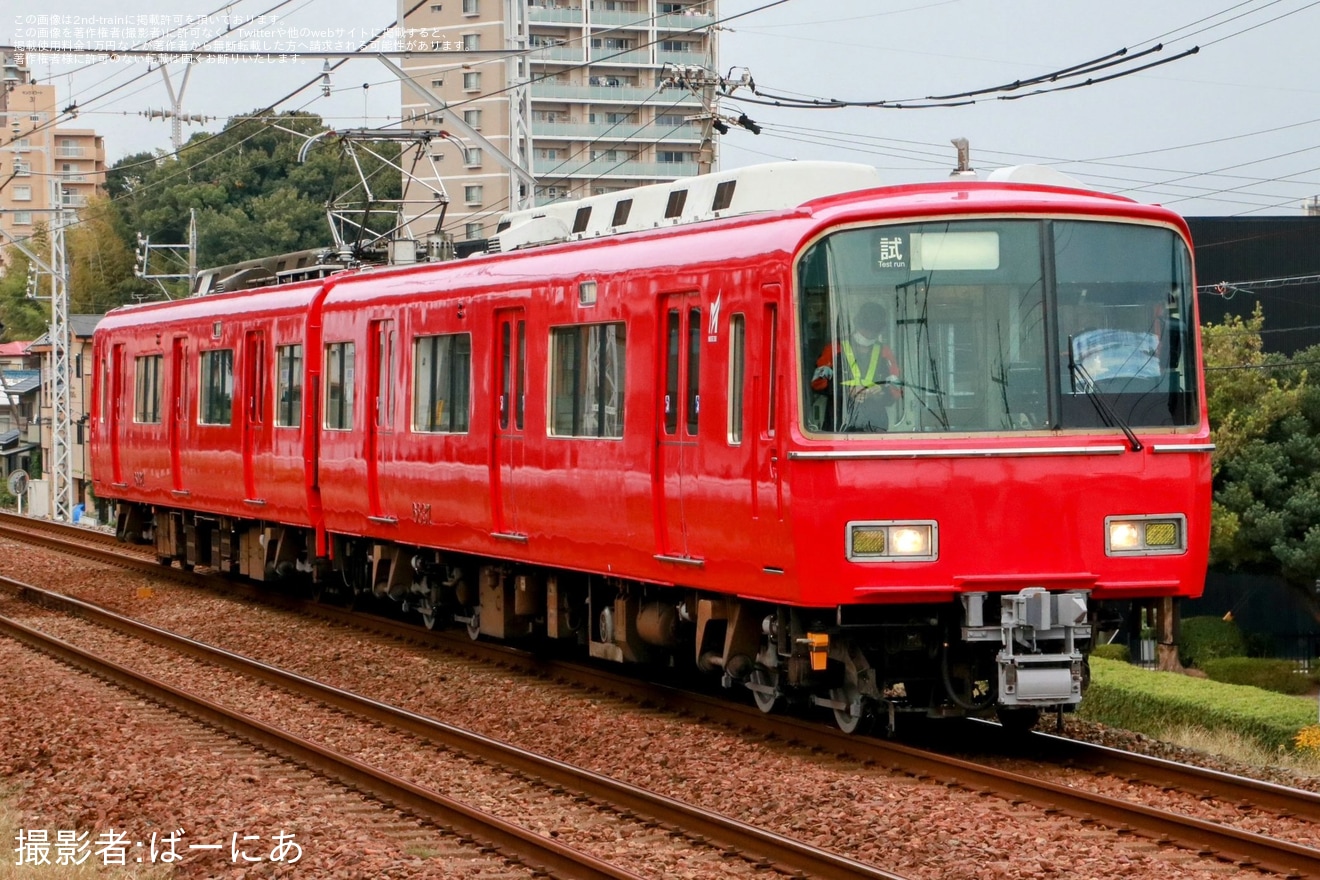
(769, 187)
(1037, 174)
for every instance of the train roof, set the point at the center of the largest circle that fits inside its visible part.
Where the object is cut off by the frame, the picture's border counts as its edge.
(288, 298)
(774, 186)
(746, 200)
(769, 188)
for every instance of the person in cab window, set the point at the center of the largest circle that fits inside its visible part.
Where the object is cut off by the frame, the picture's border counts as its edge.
(859, 375)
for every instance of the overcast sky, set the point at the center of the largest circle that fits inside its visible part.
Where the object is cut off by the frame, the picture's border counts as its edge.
(1231, 130)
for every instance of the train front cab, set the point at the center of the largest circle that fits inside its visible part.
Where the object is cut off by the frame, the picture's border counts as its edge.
(1038, 460)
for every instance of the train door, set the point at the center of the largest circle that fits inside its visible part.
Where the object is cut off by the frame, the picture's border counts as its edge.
(766, 440)
(679, 404)
(115, 380)
(254, 409)
(381, 369)
(177, 395)
(510, 405)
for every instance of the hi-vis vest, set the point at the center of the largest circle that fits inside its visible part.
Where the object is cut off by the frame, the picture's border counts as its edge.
(856, 377)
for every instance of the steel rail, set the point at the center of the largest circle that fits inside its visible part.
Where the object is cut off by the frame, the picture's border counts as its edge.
(714, 827)
(520, 844)
(1195, 834)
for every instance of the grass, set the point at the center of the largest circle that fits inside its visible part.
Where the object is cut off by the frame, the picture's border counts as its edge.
(11, 823)
(1247, 724)
(1242, 749)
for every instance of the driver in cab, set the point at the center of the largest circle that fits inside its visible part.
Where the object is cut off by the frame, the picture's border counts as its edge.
(859, 375)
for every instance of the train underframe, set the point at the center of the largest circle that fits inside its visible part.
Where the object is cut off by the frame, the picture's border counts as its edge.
(1010, 655)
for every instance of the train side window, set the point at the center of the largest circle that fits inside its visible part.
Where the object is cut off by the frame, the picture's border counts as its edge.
(587, 380)
(769, 359)
(216, 388)
(105, 391)
(384, 333)
(520, 399)
(672, 329)
(147, 379)
(339, 386)
(694, 370)
(288, 385)
(442, 380)
(737, 374)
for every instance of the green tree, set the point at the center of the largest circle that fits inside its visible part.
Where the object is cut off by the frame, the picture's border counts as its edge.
(101, 262)
(1265, 419)
(24, 318)
(251, 194)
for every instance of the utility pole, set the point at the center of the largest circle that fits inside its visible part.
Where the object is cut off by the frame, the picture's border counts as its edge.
(709, 86)
(61, 375)
(521, 194)
(60, 379)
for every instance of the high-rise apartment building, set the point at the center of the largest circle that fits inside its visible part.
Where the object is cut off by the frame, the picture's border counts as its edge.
(42, 165)
(591, 116)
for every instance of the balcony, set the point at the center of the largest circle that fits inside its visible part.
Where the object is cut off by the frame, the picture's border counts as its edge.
(571, 53)
(697, 58)
(632, 131)
(604, 18)
(554, 15)
(621, 56)
(598, 94)
(73, 177)
(684, 21)
(608, 168)
(70, 152)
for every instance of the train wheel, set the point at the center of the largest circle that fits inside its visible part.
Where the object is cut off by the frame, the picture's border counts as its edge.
(427, 610)
(847, 721)
(771, 701)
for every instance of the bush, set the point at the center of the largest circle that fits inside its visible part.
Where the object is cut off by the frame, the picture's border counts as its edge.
(1112, 652)
(1280, 676)
(1209, 638)
(1122, 695)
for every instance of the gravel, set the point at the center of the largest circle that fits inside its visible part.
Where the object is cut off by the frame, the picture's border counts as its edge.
(917, 828)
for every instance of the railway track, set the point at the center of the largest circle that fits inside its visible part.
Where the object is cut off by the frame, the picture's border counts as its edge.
(697, 828)
(1198, 835)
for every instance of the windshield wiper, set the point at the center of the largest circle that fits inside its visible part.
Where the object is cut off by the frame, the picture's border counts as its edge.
(1102, 406)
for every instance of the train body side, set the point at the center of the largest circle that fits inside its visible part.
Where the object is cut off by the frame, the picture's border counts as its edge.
(235, 459)
(735, 498)
(617, 441)
(690, 507)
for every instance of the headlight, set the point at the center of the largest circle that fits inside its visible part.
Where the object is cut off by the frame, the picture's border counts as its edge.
(893, 541)
(1145, 535)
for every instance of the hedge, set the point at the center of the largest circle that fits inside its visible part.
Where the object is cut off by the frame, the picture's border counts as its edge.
(1112, 651)
(1209, 638)
(1280, 676)
(1151, 702)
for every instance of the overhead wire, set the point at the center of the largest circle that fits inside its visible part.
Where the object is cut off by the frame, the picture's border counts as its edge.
(268, 108)
(66, 114)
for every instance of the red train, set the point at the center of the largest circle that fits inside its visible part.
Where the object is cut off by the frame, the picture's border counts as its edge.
(881, 449)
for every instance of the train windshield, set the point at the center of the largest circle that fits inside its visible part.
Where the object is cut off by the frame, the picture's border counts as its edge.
(997, 325)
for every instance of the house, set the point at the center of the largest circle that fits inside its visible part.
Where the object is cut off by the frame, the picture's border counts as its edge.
(20, 387)
(41, 495)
